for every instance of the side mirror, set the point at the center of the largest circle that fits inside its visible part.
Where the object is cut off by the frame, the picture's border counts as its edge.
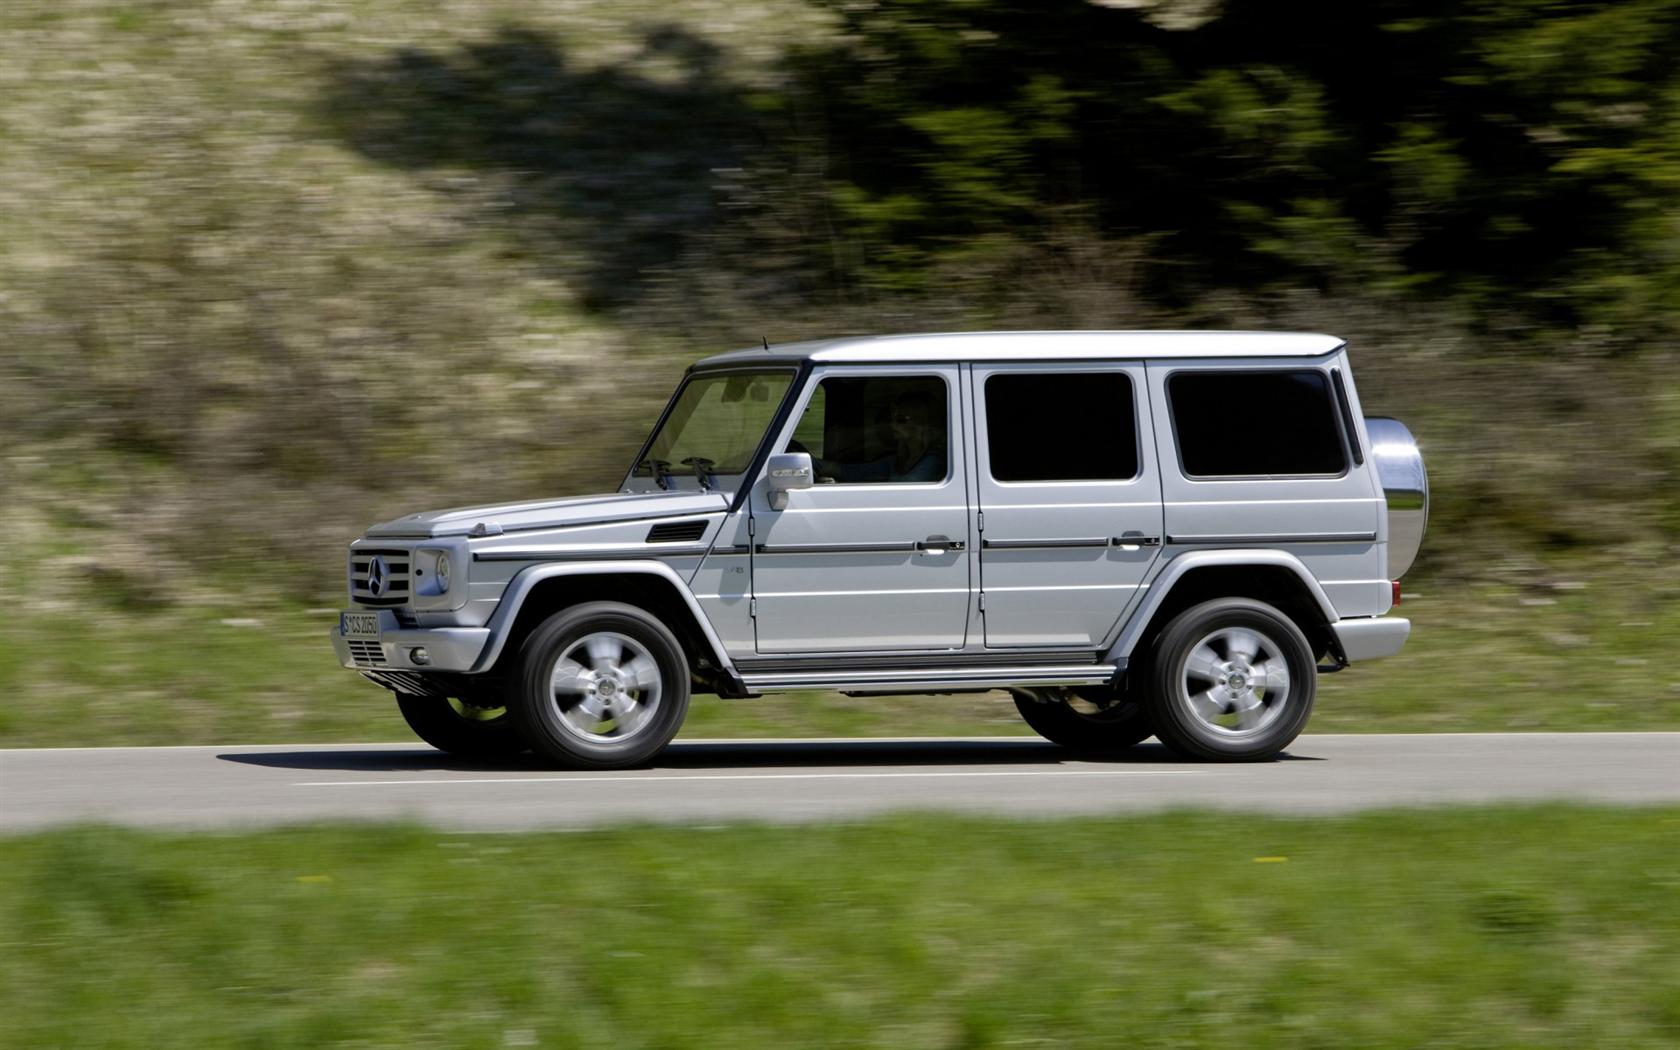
(787, 471)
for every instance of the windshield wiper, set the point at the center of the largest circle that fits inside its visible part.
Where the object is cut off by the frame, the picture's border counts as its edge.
(661, 470)
(703, 471)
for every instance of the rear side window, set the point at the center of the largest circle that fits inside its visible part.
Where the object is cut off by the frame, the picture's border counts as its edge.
(1061, 426)
(1255, 424)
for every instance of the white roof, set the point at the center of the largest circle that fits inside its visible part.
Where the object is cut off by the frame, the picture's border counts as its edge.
(1038, 346)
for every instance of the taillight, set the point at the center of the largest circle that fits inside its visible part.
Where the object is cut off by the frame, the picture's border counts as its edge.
(1395, 584)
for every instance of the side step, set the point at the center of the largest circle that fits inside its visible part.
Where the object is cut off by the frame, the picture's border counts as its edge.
(934, 680)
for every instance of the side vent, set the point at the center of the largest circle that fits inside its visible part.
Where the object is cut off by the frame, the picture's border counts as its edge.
(677, 532)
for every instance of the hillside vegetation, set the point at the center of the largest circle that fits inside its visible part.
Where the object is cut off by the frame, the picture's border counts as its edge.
(271, 271)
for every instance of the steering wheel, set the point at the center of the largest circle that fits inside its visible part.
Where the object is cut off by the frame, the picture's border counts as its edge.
(795, 445)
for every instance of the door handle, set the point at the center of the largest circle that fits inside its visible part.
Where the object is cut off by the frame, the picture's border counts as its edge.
(1133, 539)
(938, 545)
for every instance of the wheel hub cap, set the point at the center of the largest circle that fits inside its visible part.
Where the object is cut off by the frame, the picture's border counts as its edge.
(605, 687)
(1235, 681)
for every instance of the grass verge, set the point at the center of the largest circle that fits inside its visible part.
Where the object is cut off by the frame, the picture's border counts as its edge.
(1532, 927)
(1579, 646)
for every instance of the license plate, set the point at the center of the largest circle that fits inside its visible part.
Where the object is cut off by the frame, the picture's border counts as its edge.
(358, 625)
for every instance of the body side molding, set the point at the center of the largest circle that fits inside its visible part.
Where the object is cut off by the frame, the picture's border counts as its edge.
(1304, 537)
(557, 553)
(894, 547)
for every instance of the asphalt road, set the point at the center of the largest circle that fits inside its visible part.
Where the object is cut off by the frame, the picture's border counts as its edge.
(796, 780)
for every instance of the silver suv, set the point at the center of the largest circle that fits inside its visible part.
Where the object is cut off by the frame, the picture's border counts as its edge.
(1136, 534)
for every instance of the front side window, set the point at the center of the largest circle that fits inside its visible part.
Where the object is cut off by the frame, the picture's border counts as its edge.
(1255, 424)
(717, 423)
(876, 430)
(1061, 426)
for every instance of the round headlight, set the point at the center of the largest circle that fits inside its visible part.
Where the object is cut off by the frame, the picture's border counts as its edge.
(443, 573)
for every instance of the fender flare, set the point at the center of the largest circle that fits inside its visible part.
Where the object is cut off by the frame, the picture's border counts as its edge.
(526, 580)
(1161, 586)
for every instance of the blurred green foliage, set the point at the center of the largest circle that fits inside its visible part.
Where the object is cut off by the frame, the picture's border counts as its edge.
(1520, 158)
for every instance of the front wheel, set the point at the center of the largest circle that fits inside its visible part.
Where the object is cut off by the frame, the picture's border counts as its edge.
(602, 686)
(461, 729)
(1232, 680)
(1105, 722)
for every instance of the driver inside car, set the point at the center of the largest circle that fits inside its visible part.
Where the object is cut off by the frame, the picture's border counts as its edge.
(915, 456)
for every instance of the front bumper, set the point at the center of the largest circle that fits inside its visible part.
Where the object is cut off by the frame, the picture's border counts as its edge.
(447, 648)
(1366, 638)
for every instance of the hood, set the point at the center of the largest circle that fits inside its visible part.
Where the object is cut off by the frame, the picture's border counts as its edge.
(546, 514)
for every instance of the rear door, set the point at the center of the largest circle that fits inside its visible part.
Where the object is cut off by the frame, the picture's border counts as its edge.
(1069, 499)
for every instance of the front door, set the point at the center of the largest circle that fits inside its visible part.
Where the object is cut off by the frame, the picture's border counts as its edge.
(875, 556)
(1070, 500)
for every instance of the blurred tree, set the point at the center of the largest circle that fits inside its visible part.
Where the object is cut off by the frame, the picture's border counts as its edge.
(1522, 157)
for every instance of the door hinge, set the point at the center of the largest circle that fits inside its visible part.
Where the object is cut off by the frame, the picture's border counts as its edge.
(752, 526)
(752, 608)
(979, 521)
(982, 601)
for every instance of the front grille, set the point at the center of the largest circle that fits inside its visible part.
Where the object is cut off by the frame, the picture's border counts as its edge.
(366, 654)
(393, 578)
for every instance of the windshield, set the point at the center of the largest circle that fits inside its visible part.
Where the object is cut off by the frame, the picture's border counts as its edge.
(717, 418)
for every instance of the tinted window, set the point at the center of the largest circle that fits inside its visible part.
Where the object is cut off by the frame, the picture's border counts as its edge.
(1061, 426)
(1255, 424)
(875, 430)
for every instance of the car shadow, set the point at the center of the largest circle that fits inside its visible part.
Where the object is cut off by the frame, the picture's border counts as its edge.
(737, 754)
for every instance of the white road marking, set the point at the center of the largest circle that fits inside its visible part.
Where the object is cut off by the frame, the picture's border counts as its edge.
(415, 745)
(669, 778)
(760, 741)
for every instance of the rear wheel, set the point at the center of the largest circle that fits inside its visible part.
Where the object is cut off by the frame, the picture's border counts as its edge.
(461, 729)
(1100, 722)
(1232, 680)
(602, 686)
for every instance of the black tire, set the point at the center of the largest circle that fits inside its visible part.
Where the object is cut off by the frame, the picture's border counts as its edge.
(1118, 727)
(460, 729)
(1253, 722)
(554, 723)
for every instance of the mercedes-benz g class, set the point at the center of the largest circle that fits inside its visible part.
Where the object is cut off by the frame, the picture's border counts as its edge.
(1136, 534)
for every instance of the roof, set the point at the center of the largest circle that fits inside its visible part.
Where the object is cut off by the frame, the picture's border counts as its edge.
(1035, 346)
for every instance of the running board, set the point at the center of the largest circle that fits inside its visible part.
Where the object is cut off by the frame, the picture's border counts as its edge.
(937, 680)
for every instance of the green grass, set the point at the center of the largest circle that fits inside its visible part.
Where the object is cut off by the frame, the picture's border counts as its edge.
(1583, 646)
(1575, 644)
(239, 674)
(1522, 927)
